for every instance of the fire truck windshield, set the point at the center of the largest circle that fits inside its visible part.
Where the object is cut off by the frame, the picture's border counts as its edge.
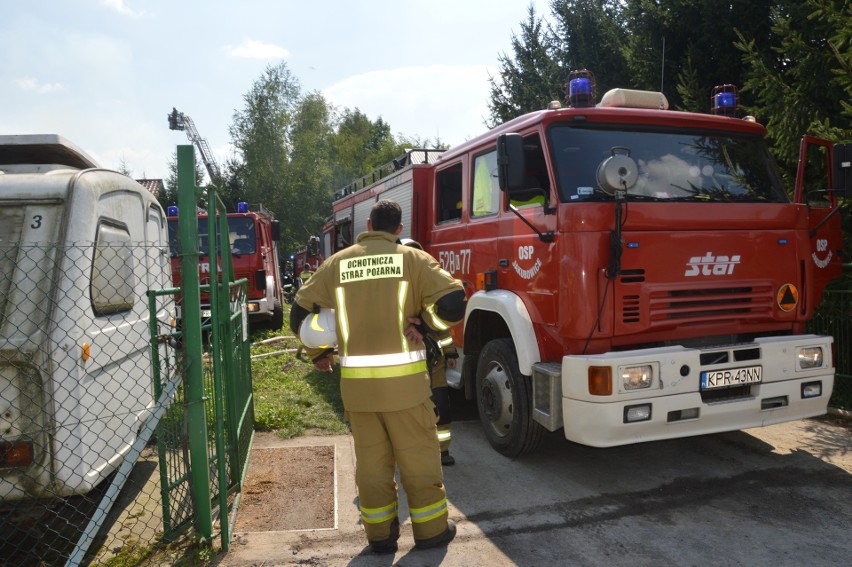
(242, 235)
(673, 165)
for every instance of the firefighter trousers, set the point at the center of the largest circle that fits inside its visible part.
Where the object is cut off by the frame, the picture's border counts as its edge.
(407, 439)
(441, 398)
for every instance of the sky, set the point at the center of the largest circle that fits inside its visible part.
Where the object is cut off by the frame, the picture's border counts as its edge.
(105, 73)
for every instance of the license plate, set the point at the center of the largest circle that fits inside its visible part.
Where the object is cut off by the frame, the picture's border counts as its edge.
(206, 313)
(711, 379)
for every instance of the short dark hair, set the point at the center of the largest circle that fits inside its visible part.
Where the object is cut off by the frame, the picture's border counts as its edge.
(386, 215)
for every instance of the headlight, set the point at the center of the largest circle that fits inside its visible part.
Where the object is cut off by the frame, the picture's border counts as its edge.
(637, 377)
(810, 357)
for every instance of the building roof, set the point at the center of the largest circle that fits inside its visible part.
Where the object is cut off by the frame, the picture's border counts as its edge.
(155, 186)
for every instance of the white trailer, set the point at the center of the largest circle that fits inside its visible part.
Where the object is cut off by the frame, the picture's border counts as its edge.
(80, 246)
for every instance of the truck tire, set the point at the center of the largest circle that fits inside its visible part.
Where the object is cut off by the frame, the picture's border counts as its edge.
(504, 400)
(277, 319)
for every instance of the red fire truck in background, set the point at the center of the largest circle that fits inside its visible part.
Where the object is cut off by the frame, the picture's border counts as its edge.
(307, 259)
(254, 239)
(634, 273)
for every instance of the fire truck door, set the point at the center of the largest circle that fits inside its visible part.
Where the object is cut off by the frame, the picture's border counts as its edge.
(816, 188)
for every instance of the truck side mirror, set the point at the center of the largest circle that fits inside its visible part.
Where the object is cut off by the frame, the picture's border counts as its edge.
(511, 166)
(276, 231)
(841, 174)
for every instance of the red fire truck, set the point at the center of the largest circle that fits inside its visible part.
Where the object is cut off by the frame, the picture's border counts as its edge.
(307, 259)
(634, 273)
(254, 239)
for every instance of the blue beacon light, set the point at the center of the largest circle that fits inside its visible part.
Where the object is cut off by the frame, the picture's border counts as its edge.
(581, 88)
(171, 211)
(725, 100)
(242, 207)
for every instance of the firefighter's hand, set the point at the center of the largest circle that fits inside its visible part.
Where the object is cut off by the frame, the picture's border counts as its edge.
(326, 363)
(411, 332)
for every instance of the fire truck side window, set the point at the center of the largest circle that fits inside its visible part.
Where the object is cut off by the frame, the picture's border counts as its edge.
(449, 182)
(242, 235)
(486, 190)
(537, 183)
(343, 234)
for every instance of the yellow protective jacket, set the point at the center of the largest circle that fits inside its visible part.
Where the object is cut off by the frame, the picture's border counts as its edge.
(374, 286)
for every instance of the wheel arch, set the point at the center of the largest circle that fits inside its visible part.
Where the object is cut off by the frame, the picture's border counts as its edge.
(499, 314)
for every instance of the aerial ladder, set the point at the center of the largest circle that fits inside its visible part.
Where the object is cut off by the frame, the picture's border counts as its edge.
(181, 121)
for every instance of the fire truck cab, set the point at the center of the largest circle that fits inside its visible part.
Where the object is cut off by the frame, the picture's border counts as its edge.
(634, 273)
(253, 236)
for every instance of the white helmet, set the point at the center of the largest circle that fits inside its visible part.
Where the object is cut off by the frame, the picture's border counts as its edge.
(319, 330)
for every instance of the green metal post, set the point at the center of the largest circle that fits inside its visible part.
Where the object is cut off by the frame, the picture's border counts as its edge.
(220, 250)
(191, 315)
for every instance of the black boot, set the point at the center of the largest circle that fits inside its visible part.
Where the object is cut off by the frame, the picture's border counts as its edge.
(389, 544)
(447, 460)
(440, 540)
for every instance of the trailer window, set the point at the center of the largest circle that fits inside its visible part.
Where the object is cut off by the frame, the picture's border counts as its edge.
(113, 279)
(486, 188)
(449, 182)
(673, 165)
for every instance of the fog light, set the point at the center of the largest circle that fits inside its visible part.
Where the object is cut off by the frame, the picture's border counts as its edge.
(812, 390)
(253, 307)
(637, 377)
(810, 357)
(632, 414)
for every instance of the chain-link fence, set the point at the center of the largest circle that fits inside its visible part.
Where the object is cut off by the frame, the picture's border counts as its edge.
(95, 442)
(75, 388)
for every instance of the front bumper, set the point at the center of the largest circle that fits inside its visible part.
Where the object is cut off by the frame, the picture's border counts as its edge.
(675, 406)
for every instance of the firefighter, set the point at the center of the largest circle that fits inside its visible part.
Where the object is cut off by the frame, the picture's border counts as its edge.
(375, 287)
(440, 355)
(445, 357)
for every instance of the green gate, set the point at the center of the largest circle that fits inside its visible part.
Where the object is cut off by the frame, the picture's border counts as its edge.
(205, 439)
(834, 317)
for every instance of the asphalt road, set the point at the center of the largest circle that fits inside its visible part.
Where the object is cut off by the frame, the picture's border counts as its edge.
(780, 495)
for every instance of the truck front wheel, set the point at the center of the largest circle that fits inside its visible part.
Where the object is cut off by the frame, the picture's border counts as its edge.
(504, 400)
(277, 319)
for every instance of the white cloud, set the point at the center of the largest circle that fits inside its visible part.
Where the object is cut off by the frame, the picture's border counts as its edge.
(435, 101)
(122, 8)
(30, 84)
(252, 49)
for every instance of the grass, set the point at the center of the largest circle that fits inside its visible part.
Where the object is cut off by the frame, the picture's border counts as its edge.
(290, 397)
